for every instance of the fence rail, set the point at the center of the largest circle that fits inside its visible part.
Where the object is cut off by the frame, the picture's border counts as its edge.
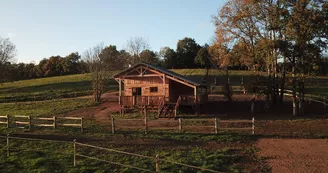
(308, 97)
(21, 121)
(180, 126)
(5, 121)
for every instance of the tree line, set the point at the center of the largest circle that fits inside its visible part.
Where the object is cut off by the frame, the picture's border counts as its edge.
(137, 50)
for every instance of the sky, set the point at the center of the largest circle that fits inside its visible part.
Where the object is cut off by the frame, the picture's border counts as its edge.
(44, 28)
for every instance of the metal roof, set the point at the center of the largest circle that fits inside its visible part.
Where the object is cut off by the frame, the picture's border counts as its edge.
(165, 71)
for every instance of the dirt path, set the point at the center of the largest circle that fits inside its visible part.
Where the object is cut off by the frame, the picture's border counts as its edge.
(295, 155)
(100, 112)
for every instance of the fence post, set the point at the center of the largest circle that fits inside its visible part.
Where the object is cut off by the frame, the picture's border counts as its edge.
(157, 163)
(55, 122)
(180, 125)
(29, 122)
(7, 121)
(216, 125)
(7, 145)
(253, 126)
(145, 111)
(81, 124)
(146, 125)
(113, 126)
(74, 144)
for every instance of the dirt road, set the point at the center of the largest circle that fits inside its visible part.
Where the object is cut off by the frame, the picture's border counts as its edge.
(295, 155)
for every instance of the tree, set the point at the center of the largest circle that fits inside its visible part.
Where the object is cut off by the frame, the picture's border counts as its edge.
(263, 31)
(149, 56)
(203, 57)
(7, 55)
(187, 49)
(135, 46)
(169, 57)
(125, 59)
(110, 55)
(99, 69)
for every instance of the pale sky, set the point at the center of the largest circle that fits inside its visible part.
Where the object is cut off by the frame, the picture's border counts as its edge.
(43, 28)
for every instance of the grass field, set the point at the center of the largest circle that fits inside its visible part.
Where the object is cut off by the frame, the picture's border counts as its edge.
(45, 108)
(212, 152)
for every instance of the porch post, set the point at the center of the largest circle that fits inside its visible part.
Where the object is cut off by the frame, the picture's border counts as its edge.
(196, 101)
(164, 87)
(120, 90)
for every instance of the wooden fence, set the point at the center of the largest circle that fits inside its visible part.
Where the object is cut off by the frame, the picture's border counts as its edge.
(308, 97)
(75, 154)
(4, 120)
(182, 125)
(22, 121)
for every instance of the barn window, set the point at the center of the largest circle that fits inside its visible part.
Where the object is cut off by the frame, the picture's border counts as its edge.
(153, 89)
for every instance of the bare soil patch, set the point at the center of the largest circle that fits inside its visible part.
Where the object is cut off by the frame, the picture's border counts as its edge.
(295, 155)
(100, 112)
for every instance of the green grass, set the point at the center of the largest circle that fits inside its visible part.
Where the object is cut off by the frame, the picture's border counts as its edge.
(44, 156)
(50, 88)
(45, 108)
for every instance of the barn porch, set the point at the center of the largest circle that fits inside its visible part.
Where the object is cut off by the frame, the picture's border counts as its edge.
(150, 88)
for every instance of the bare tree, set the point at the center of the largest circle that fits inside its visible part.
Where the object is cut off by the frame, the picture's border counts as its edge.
(7, 55)
(98, 68)
(135, 46)
(7, 50)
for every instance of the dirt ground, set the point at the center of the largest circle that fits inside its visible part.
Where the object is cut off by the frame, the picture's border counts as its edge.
(295, 155)
(100, 112)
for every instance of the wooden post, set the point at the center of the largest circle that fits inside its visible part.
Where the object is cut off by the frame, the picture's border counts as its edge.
(29, 122)
(324, 103)
(164, 88)
(74, 144)
(196, 101)
(120, 91)
(146, 125)
(157, 163)
(145, 111)
(253, 126)
(7, 121)
(216, 125)
(7, 145)
(113, 126)
(81, 124)
(180, 125)
(54, 122)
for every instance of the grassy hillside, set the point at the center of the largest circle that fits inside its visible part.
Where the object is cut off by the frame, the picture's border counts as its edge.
(49, 88)
(45, 108)
(80, 85)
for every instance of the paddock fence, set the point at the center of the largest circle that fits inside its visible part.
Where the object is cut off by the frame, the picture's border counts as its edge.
(309, 97)
(23, 121)
(73, 151)
(211, 125)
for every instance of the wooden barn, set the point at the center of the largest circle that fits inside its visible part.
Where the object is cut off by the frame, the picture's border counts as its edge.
(153, 88)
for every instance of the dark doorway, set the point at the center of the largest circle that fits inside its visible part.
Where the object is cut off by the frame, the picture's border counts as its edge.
(136, 91)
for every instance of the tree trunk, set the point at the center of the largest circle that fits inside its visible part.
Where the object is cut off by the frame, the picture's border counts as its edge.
(282, 83)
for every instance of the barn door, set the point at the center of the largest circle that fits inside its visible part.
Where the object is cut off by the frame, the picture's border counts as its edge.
(136, 93)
